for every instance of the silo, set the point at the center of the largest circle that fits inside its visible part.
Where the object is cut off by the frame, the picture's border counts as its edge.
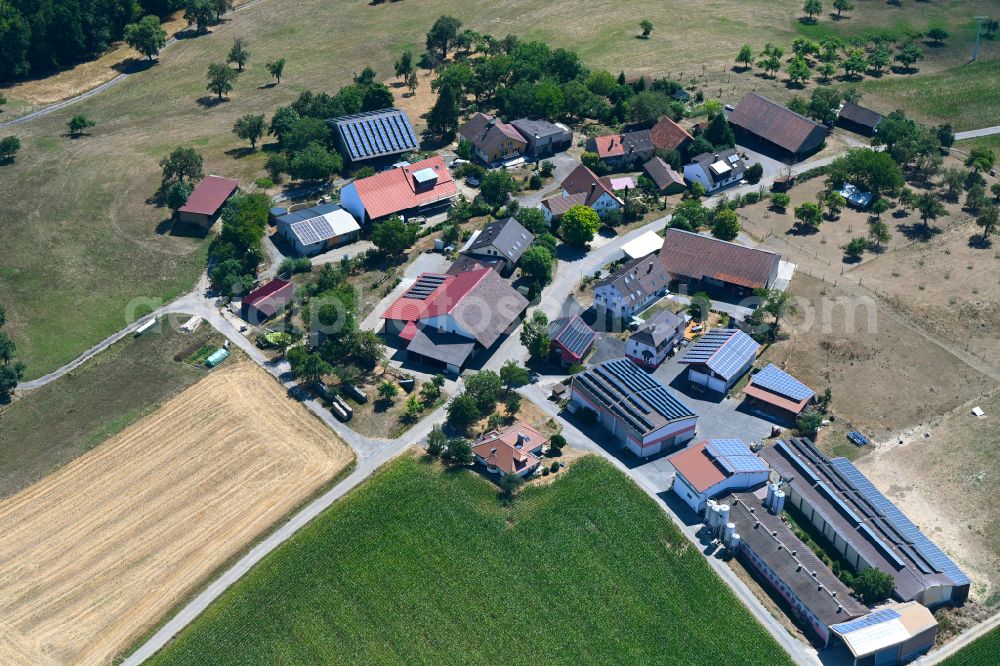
(770, 495)
(779, 502)
(734, 542)
(730, 531)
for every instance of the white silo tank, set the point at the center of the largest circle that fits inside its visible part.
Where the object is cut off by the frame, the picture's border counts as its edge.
(730, 531)
(709, 506)
(723, 514)
(716, 516)
(779, 501)
(734, 542)
(770, 495)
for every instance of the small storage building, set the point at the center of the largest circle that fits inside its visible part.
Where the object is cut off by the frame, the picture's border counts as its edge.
(206, 201)
(777, 393)
(571, 339)
(720, 358)
(858, 119)
(266, 300)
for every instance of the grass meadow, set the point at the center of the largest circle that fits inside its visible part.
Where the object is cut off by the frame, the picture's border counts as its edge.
(81, 240)
(981, 652)
(585, 569)
(68, 417)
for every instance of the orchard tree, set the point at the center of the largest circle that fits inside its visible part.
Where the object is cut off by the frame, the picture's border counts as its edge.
(579, 224)
(404, 65)
(198, 13)
(812, 8)
(909, 54)
(250, 128)
(183, 164)
(78, 123)
(937, 35)
(855, 248)
(855, 63)
(798, 70)
(878, 233)
(147, 36)
(276, 68)
(647, 28)
(987, 220)
(745, 56)
(220, 79)
(929, 208)
(220, 7)
(980, 159)
(879, 59)
(726, 225)
(238, 53)
(808, 216)
(842, 6)
(442, 34)
(834, 203)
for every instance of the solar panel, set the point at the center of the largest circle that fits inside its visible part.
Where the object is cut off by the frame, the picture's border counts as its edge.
(777, 380)
(839, 503)
(877, 617)
(797, 462)
(735, 456)
(375, 133)
(424, 286)
(738, 352)
(882, 546)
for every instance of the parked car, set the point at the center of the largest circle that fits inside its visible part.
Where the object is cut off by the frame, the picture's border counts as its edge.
(417, 219)
(458, 161)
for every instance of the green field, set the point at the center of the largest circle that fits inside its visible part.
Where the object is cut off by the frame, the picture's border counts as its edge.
(983, 652)
(425, 566)
(59, 421)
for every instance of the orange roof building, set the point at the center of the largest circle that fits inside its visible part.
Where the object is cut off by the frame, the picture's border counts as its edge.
(513, 450)
(423, 186)
(715, 466)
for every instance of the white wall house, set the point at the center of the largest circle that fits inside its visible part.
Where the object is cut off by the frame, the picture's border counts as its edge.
(715, 170)
(715, 467)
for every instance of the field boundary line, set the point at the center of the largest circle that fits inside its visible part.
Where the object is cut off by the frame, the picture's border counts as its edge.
(961, 641)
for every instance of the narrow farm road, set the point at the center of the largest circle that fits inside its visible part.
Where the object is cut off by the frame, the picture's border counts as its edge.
(973, 134)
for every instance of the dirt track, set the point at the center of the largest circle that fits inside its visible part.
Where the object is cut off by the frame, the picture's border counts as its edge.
(96, 553)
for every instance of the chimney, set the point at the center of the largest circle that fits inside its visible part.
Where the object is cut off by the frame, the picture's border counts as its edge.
(593, 188)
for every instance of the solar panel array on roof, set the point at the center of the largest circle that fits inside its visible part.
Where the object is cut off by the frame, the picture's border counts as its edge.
(846, 510)
(881, 545)
(375, 133)
(724, 350)
(878, 617)
(313, 230)
(923, 547)
(424, 286)
(735, 456)
(802, 467)
(778, 381)
(575, 336)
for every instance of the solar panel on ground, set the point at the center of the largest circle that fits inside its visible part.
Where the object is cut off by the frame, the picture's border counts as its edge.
(777, 380)
(877, 617)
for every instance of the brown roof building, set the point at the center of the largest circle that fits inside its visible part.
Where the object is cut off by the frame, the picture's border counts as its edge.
(513, 450)
(668, 135)
(774, 124)
(266, 300)
(667, 180)
(701, 260)
(492, 139)
(621, 150)
(859, 119)
(206, 200)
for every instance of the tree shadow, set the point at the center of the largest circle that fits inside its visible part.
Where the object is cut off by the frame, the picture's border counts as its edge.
(134, 65)
(934, 45)
(905, 70)
(899, 213)
(397, 84)
(838, 17)
(267, 86)
(977, 242)
(430, 142)
(807, 20)
(851, 260)
(240, 153)
(208, 101)
(801, 230)
(918, 231)
(190, 33)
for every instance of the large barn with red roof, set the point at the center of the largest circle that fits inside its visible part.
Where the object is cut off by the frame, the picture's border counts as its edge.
(444, 320)
(422, 187)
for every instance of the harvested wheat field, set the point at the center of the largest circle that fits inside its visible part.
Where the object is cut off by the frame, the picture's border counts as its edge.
(95, 554)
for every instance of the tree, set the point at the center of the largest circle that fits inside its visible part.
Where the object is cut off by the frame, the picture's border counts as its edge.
(392, 237)
(700, 306)
(536, 263)
(485, 387)
(579, 224)
(556, 444)
(976, 198)
(220, 7)
(879, 59)
(798, 105)
(745, 56)
(182, 164)
(593, 161)
(250, 128)
(878, 233)
(995, 189)
(377, 96)
(276, 68)
(147, 36)
(199, 13)
(726, 225)
(809, 422)
(719, 133)
(988, 219)
(826, 71)
(442, 34)
(874, 585)
(980, 159)
(812, 7)
(842, 6)
(412, 82)
(869, 170)
(315, 163)
(404, 64)
(436, 439)
(276, 164)
(808, 216)
(647, 28)
(855, 63)
(10, 375)
(535, 336)
(769, 64)
(938, 35)
(177, 195)
(238, 53)
(509, 485)
(879, 207)
(953, 180)
(387, 390)
(834, 203)
(798, 70)
(776, 304)
(513, 375)
(462, 412)
(459, 451)
(220, 79)
(532, 219)
(443, 117)
(855, 247)
(929, 207)
(307, 367)
(909, 54)
(824, 104)
(496, 187)
(78, 123)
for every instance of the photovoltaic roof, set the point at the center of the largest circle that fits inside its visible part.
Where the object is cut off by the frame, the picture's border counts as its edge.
(425, 285)
(877, 617)
(735, 456)
(375, 133)
(776, 380)
(572, 333)
(724, 350)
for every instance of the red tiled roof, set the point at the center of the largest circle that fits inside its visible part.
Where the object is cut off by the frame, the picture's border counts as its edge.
(609, 146)
(668, 135)
(694, 465)
(560, 204)
(696, 256)
(487, 132)
(394, 191)
(408, 331)
(777, 124)
(499, 448)
(582, 180)
(264, 297)
(209, 195)
(774, 399)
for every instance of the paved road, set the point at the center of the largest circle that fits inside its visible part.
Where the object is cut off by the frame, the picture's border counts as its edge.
(972, 134)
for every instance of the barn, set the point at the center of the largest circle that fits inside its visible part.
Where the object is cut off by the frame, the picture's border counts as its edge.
(718, 360)
(777, 393)
(206, 201)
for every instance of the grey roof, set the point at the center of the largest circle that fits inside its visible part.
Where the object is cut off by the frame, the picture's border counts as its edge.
(865, 518)
(658, 329)
(445, 347)
(560, 204)
(372, 134)
(860, 115)
(489, 308)
(792, 561)
(640, 400)
(488, 133)
(729, 156)
(464, 263)
(543, 128)
(508, 236)
(638, 278)
(662, 173)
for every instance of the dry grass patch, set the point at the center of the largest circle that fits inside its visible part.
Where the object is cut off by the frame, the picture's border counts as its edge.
(94, 554)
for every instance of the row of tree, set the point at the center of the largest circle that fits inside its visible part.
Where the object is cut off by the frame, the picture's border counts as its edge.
(11, 370)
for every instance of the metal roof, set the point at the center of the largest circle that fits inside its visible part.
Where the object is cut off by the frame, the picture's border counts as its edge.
(734, 456)
(778, 381)
(724, 350)
(209, 195)
(374, 134)
(321, 227)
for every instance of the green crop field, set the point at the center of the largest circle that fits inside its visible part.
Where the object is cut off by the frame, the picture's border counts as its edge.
(64, 419)
(421, 565)
(81, 241)
(982, 652)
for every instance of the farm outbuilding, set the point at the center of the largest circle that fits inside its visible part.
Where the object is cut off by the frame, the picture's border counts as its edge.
(313, 230)
(701, 262)
(713, 467)
(758, 120)
(859, 119)
(266, 300)
(571, 339)
(777, 393)
(720, 358)
(205, 203)
(373, 135)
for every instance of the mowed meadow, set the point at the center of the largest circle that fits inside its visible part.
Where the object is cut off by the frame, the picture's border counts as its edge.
(81, 241)
(421, 564)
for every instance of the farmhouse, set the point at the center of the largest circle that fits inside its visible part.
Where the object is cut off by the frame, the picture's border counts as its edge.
(492, 140)
(776, 392)
(420, 188)
(782, 562)
(720, 358)
(571, 339)
(896, 634)
(758, 119)
(205, 203)
(716, 170)
(631, 289)
(663, 175)
(636, 408)
(622, 151)
(864, 527)
(444, 320)
(514, 450)
(373, 135)
(266, 300)
(858, 119)
(581, 187)
(500, 240)
(713, 467)
(701, 262)
(653, 342)
(313, 230)
(544, 138)
(668, 135)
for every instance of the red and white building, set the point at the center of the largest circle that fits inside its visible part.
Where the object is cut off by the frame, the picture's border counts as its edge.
(713, 467)
(515, 450)
(419, 188)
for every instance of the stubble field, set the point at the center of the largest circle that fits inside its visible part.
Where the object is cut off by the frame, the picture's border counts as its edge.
(95, 554)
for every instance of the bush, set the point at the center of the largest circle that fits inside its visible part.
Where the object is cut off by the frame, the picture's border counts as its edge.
(545, 471)
(780, 201)
(754, 173)
(750, 198)
(535, 182)
(554, 467)
(292, 265)
(264, 183)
